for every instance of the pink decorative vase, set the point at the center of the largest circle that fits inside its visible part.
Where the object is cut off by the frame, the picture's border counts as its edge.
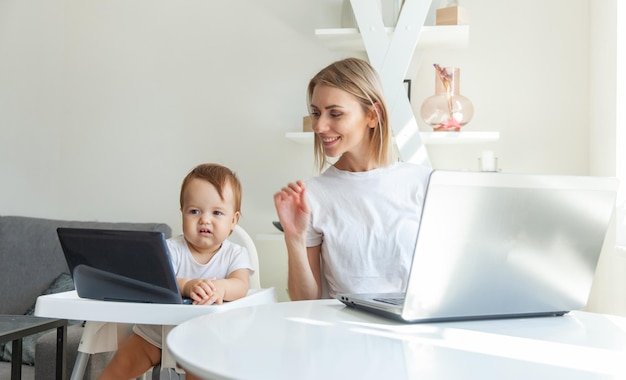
(447, 110)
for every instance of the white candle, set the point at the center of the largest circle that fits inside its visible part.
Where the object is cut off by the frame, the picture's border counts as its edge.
(488, 161)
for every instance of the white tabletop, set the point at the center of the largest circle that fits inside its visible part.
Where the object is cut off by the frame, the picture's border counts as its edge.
(326, 340)
(69, 306)
(100, 333)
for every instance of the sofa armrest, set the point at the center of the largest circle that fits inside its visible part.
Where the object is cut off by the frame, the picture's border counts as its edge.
(45, 355)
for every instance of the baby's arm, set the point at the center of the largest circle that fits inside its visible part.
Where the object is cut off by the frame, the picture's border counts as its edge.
(197, 289)
(232, 288)
(208, 291)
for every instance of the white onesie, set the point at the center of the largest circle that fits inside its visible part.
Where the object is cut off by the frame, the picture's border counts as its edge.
(229, 258)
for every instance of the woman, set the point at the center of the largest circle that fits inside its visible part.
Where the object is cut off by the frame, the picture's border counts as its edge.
(355, 225)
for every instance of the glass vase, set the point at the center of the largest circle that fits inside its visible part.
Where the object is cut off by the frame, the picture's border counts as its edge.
(447, 110)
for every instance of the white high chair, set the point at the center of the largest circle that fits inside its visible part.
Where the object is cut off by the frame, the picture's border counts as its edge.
(241, 237)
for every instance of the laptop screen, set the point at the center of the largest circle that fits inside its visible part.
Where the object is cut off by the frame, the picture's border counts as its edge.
(507, 244)
(118, 265)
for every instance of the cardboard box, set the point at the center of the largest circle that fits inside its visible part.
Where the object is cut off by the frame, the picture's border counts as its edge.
(452, 16)
(307, 124)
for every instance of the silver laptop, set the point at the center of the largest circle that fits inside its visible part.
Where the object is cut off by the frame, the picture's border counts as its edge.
(494, 245)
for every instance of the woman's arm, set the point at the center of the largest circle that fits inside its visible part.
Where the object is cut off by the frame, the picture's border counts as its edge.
(303, 265)
(304, 273)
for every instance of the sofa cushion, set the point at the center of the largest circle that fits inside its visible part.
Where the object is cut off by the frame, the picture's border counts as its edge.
(30, 249)
(63, 283)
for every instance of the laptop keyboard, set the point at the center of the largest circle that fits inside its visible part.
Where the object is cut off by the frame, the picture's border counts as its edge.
(391, 300)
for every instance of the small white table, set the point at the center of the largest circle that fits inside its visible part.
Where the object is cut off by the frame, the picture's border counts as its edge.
(326, 340)
(100, 333)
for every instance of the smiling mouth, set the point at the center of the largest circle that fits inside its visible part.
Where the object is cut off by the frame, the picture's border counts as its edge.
(205, 231)
(329, 140)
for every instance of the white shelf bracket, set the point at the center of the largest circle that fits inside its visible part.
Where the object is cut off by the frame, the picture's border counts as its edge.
(391, 57)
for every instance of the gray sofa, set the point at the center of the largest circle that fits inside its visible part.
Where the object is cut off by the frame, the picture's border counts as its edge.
(32, 261)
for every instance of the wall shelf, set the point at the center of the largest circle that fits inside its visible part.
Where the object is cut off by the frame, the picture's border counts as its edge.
(448, 36)
(390, 47)
(430, 138)
(470, 137)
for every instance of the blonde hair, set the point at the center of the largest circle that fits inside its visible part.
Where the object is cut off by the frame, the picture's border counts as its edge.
(217, 175)
(358, 78)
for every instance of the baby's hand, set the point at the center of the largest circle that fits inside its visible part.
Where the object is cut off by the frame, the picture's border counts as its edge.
(216, 297)
(204, 292)
(199, 289)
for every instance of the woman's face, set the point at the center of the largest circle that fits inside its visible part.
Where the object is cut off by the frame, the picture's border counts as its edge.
(340, 122)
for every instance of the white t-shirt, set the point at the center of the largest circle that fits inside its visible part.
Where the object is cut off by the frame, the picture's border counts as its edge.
(366, 223)
(229, 258)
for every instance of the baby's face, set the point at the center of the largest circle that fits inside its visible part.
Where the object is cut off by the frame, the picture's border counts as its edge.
(207, 219)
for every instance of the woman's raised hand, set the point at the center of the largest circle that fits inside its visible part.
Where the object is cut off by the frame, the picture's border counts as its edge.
(292, 208)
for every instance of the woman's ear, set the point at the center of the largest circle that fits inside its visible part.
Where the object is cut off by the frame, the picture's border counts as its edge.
(374, 115)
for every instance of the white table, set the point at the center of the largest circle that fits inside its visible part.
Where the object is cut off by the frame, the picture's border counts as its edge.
(326, 340)
(100, 333)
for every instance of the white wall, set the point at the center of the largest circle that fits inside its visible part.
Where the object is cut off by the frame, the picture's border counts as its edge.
(607, 143)
(106, 105)
(527, 73)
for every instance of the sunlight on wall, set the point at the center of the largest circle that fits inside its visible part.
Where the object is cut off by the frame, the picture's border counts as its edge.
(620, 136)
